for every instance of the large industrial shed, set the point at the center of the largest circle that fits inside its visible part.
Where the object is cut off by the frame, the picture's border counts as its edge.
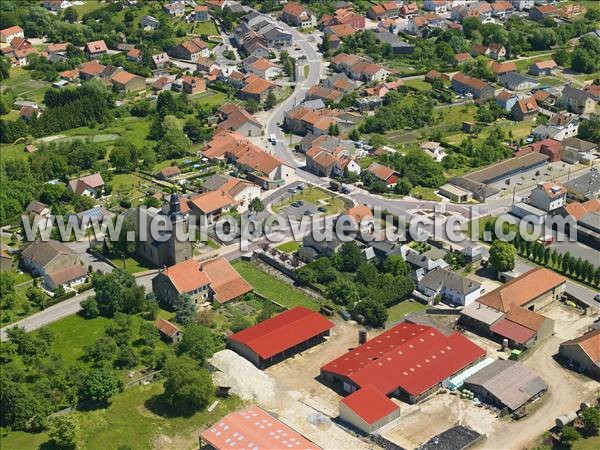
(506, 384)
(280, 337)
(253, 428)
(368, 409)
(584, 353)
(408, 361)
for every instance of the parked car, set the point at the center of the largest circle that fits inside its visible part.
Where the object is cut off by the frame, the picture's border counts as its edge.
(322, 209)
(309, 213)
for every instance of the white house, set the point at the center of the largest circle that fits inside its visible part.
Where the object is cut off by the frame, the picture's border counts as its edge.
(8, 34)
(450, 285)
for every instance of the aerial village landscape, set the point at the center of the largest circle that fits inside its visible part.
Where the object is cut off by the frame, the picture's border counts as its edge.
(445, 296)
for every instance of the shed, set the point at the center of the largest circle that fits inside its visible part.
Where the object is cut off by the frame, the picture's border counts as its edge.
(368, 409)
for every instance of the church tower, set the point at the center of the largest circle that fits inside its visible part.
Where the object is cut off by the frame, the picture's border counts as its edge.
(178, 250)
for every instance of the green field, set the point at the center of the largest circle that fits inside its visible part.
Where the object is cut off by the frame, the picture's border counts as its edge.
(273, 288)
(206, 28)
(131, 265)
(289, 247)
(397, 312)
(23, 86)
(135, 420)
(421, 85)
(316, 196)
(424, 193)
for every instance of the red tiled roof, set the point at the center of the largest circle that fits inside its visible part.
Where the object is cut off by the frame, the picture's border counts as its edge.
(590, 344)
(186, 276)
(69, 274)
(225, 281)
(282, 332)
(96, 47)
(212, 201)
(408, 356)
(370, 404)
(11, 30)
(512, 330)
(166, 327)
(253, 428)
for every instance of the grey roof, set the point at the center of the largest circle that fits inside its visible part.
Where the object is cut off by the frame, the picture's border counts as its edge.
(214, 182)
(390, 38)
(44, 252)
(479, 189)
(591, 220)
(314, 104)
(455, 438)
(588, 184)
(577, 94)
(579, 144)
(482, 313)
(512, 383)
(512, 79)
(438, 278)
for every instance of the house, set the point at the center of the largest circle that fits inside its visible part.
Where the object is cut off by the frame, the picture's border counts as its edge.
(433, 75)
(382, 89)
(524, 109)
(385, 10)
(465, 84)
(149, 23)
(175, 9)
(263, 68)
(384, 174)
(208, 207)
(399, 362)
(212, 280)
(399, 47)
(162, 84)
(559, 127)
(56, 5)
(583, 353)
(235, 118)
(168, 173)
(433, 149)
(502, 9)
(128, 82)
(327, 163)
(242, 191)
(193, 85)
(29, 112)
(544, 98)
(584, 187)
(437, 6)
(506, 100)
(8, 34)
(508, 312)
(548, 196)
(542, 68)
(38, 209)
(200, 13)
(256, 88)
(281, 336)
(460, 58)
(323, 93)
(90, 69)
(522, 5)
(169, 331)
(576, 150)
(368, 103)
(503, 68)
(255, 425)
(260, 167)
(206, 65)
(506, 384)
(496, 51)
(90, 185)
(41, 258)
(65, 278)
(593, 89)
(160, 60)
(408, 10)
(552, 148)
(539, 13)
(95, 49)
(298, 15)
(517, 82)
(134, 55)
(451, 286)
(578, 101)
(231, 76)
(190, 50)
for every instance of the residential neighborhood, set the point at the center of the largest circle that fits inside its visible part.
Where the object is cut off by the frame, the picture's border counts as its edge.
(297, 224)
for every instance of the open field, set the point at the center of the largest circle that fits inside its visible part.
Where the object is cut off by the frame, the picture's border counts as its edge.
(273, 288)
(135, 420)
(398, 311)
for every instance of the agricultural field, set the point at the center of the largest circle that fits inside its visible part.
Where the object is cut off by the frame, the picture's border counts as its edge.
(23, 86)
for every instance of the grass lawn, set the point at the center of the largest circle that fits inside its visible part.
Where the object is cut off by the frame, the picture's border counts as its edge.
(424, 193)
(206, 28)
(591, 443)
(273, 288)
(289, 247)
(210, 97)
(131, 186)
(212, 243)
(397, 312)
(132, 265)
(421, 85)
(22, 307)
(316, 196)
(88, 6)
(134, 420)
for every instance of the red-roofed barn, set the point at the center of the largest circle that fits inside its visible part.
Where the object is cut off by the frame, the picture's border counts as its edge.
(368, 409)
(280, 337)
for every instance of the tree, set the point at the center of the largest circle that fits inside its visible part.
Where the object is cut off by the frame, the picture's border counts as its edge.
(354, 134)
(350, 257)
(101, 384)
(270, 101)
(101, 352)
(256, 205)
(373, 312)
(198, 343)
(89, 308)
(591, 419)
(36, 296)
(569, 435)
(343, 292)
(149, 334)
(21, 408)
(126, 358)
(165, 104)
(502, 256)
(174, 143)
(70, 15)
(589, 129)
(239, 322)
(63, 430)
(403, 187)
(396, 265)
(185, 310)
(188, 388)
(117, 291)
